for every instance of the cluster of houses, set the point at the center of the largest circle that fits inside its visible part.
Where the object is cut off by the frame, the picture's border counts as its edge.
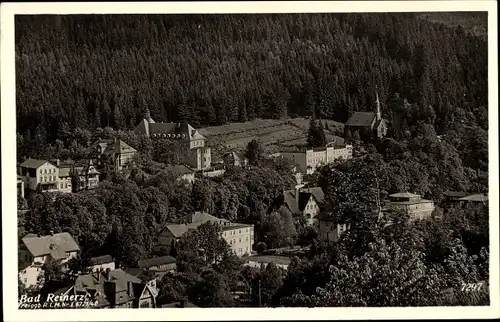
(123, 287)
(58, 176)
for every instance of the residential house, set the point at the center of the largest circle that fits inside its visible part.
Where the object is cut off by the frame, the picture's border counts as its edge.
(182, 172)
(194, 152)
(259, 261)
(304, 201)
(368, 124)
(413, 204)
(234, 159)
(311, 159)
(87, 174)
(115, 153)
(40, 173)
(116, 289)
(38, 250)
(158, 265)
(240, 237)
(474, 198)
(454, 196)
(102, 263)
(331, 228)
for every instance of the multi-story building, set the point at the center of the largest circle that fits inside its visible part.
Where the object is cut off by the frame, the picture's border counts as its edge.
(37, 250)
(311, 159)
(115, 153)
(56, 177)
(413, 204)
(240, 237)
(40, 173)
(368, 124)
(194, 153)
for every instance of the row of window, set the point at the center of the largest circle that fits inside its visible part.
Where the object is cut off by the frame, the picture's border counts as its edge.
(49, 171)
(233, 241)
(233, 232)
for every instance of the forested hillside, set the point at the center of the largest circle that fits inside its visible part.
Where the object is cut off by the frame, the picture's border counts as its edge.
(96, 71)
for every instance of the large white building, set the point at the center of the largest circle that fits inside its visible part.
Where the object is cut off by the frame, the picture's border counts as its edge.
(311, 159)
(194, 152)
(412, 204)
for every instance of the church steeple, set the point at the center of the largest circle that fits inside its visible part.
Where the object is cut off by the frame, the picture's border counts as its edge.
(377, 102)
(147, 116)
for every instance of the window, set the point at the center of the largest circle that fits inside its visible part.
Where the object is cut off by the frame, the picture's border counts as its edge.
(246, 239)
(239, 231)
(240, 240)
(45, 171)
(40, 171)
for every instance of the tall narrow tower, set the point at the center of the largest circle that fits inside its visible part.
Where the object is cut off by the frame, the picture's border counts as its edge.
(377, 102)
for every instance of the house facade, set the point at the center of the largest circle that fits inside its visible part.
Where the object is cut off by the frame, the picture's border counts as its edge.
(182, 172)
(113, 152)
(160, 264)
(259, 261)
(311, 159)
(413, 204)
(240, 238)
(38, 250)
(194, 152)
(20, 186)
(331, 229)
(368, 124)
(234, 159)
(102, 263)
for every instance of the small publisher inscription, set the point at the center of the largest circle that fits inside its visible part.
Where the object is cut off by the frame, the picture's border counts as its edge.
(56, 301)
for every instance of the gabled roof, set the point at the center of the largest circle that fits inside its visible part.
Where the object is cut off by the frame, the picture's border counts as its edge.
(99, 260)
(404, 195)
(156, 261)
(291, 201)
(317, 192)
(457, 194)
(475, 198)
(34, 163)
(179, 169)
(202, 217)
(55, 245)
(304, 198)
(364, 119)
(180, 229)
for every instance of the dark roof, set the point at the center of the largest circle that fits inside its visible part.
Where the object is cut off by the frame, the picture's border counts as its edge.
(163, 260)
(235, 226)
(291, 201)
(304, 199)
(202, 217)
(361, 119)
(33, 163)
(179, 169)
(317, 192)
(475, 198)
(458, 194)
(104, 259)
(404, 195)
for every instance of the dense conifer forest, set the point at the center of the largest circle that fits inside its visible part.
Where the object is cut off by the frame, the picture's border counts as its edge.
(96, 70)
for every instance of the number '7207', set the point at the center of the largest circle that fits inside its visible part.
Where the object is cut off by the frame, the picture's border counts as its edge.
(471, 287)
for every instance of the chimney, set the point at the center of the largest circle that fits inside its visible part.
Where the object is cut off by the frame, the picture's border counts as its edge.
(52, 232)
(106, 273)
(58, 162)
(147, 114)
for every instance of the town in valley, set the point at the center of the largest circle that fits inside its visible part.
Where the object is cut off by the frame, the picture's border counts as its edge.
(285, 160)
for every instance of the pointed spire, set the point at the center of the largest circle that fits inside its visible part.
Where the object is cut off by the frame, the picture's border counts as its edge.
(377, 102)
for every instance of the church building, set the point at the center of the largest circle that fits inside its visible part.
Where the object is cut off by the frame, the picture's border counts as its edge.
(368, 123)
(194, 152)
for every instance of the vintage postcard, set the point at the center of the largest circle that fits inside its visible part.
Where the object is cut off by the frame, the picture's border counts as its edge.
(291, 160)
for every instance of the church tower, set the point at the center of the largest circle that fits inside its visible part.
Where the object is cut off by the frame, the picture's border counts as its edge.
(147, 116)
(377, 102)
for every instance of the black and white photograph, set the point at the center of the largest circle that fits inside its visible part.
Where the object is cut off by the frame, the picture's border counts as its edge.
(252, 160)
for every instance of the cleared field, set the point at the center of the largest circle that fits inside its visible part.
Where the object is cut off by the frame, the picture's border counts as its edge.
(274, 134)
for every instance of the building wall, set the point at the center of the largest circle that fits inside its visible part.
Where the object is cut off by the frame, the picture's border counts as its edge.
(417, 211)
(64, 184)
(29, 275)
(125, 159)
(330, 230)
(166, 238)
(103, 267)
(264, 264)
(311, 211)
(20, 188)
(240, 240)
